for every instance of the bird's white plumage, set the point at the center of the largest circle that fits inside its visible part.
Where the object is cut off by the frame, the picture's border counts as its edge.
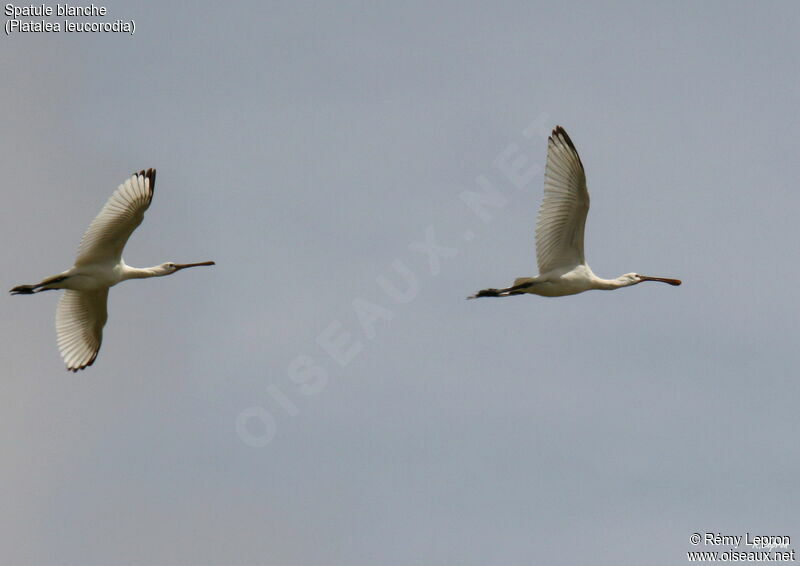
(80, 318)
(562, 215)
(108, 233)
(82, 310)
(559, 233)
(81, 314)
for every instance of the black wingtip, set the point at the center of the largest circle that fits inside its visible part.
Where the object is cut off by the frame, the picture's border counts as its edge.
(150, 175)
(86, 365)
(561, 133)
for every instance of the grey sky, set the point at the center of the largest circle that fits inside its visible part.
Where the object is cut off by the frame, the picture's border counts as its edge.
(305, 148)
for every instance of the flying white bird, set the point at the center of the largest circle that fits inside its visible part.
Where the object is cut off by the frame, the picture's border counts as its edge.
(81, 312)
(559, 232)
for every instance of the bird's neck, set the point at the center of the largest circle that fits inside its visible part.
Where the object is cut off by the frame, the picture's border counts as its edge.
(129, 272)
(611, 284)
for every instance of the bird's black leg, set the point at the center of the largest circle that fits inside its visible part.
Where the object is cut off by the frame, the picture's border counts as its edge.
(24, 290)
(515, 290)
(39, 287)
(487, 293)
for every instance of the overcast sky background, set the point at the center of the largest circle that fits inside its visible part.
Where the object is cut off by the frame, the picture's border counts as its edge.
(306, 148)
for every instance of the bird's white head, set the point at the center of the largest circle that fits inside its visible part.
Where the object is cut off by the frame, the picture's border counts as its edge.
(169, 267)
(635, 279)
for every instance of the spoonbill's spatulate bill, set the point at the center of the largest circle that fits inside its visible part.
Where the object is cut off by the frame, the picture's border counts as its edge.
(81, 313)
(559, 232)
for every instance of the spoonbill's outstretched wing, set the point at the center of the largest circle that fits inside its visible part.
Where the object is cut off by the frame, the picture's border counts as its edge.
(80, 318)
(562, 216)
(123, 212)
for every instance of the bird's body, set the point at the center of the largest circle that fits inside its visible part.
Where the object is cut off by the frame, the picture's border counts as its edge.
(560, 282)
(560, 233)
(82, 313)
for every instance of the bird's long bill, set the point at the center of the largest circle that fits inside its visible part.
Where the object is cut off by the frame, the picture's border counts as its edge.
(179, 266)
(674, 282)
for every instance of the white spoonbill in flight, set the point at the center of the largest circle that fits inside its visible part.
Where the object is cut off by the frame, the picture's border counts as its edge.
(81, 312)
(559, 232)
